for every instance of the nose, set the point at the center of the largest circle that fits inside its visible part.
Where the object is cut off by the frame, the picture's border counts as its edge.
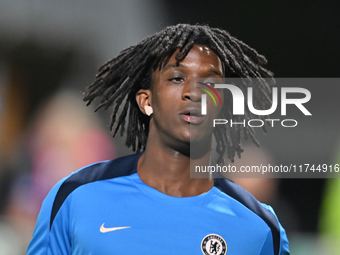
(191, 92)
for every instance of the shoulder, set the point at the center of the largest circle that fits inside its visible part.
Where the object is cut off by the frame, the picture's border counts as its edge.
(265, 212)
(42, 238)
(123, 166)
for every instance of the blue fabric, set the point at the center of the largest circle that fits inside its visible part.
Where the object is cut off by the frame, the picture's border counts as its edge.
(111, 193)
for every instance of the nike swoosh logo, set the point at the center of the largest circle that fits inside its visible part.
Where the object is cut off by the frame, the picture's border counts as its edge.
(105, 230)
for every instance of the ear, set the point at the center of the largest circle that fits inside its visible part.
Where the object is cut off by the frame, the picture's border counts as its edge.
(143, 98)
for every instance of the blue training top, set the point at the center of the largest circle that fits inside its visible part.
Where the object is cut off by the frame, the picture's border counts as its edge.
(105, 208)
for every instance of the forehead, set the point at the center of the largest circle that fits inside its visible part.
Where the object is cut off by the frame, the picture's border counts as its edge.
(201, 53)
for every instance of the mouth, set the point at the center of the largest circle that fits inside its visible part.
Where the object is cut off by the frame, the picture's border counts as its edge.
(192, 116)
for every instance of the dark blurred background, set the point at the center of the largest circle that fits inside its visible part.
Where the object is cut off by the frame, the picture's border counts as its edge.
(49, 53)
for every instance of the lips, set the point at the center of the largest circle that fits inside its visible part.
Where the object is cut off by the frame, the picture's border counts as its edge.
(192, 115)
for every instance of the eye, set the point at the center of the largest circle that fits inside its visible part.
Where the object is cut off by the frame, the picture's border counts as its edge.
(176, 79)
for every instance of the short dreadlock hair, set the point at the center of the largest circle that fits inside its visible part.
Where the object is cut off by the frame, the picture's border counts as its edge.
(119, 79)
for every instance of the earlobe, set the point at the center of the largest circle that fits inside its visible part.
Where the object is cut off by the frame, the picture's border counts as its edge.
(148, 110)
(143, 98)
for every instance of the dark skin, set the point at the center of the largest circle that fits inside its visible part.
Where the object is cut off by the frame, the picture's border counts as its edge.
(165, 164)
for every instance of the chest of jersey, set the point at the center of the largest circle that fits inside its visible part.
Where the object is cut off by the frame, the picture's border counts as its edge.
(132, 221)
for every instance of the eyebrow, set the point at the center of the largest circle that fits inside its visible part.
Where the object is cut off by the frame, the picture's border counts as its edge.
(215, 71)
(211, 70)
(172, 66)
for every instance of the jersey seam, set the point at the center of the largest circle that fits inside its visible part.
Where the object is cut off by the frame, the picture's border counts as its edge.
(269, 232)
(69, 225)
(49, 240)
(69, 222)
(102, 180)
(252, 212)
(266, 208)
(82, 185)
(157, 199)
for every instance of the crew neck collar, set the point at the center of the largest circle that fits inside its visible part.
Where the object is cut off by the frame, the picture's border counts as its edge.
(155, 194)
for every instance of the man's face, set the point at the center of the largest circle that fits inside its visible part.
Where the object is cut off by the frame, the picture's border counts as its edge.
(177, 108)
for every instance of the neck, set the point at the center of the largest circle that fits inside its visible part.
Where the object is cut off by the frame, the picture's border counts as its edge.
(168, 170)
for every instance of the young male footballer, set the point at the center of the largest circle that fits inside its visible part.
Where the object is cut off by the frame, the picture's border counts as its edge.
(147, 203)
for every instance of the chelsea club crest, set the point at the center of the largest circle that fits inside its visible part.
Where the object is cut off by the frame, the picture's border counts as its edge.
(214, 244)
